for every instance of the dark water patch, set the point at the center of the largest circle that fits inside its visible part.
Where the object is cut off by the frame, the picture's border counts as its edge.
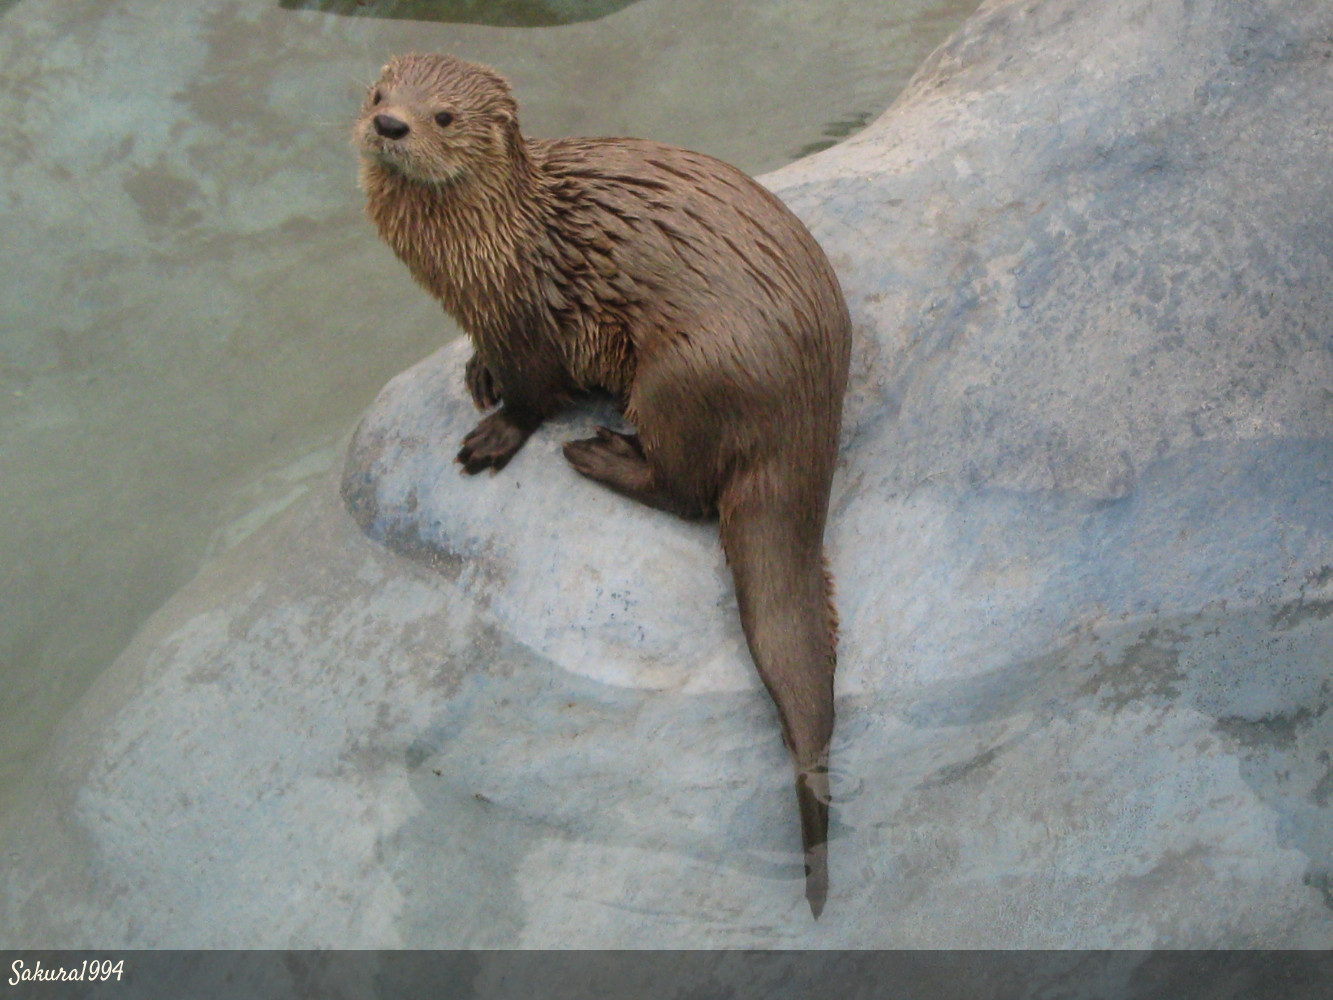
(958, 772)
(835, 130)
(1278, 730)
(1149, 667)
(1290, 615)
(498, 13)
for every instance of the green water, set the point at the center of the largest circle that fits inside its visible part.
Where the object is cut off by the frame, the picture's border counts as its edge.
(506, 13)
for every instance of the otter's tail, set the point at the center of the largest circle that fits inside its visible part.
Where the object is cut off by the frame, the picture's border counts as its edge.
(774, 544)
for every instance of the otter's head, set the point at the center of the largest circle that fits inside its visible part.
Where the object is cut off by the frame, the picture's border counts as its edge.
(437, 119)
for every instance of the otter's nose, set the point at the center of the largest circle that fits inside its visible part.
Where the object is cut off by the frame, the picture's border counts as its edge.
(391, 127)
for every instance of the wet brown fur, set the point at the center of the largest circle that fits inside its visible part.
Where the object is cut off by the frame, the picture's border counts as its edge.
(678, 284)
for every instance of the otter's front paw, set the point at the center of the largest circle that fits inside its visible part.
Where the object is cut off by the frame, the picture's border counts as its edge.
(493, 442)
(481, 384)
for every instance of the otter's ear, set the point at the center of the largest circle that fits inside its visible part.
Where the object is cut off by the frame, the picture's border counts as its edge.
(504, 131)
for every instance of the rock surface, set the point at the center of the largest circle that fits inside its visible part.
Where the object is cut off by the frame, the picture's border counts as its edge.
(1083, 540)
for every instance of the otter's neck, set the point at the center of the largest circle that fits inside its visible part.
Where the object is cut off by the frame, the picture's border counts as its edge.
(463, 240)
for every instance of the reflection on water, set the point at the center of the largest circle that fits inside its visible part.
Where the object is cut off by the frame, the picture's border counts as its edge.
(505, 13)
(833, 131)
(192, 310)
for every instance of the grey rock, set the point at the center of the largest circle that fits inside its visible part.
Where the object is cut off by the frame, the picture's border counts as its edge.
(1083, 541)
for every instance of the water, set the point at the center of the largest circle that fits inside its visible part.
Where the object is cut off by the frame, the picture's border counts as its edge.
(508, 13)
(193, 312)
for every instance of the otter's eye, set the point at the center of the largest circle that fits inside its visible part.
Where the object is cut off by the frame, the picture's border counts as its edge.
(376, 97)
(444, 119)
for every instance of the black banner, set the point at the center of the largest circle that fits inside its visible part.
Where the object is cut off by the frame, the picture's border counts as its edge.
(696, 975)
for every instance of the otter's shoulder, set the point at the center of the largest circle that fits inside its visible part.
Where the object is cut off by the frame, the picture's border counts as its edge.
(651, 170)
(652, 207)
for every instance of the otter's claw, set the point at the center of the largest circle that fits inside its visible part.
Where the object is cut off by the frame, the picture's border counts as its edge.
(493, 442)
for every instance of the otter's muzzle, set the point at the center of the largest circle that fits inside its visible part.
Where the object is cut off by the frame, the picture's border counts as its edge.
(391, 127)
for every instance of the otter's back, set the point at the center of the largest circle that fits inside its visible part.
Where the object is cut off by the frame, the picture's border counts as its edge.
(687, 245)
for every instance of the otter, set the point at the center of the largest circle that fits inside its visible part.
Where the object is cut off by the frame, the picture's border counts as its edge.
(684, 289)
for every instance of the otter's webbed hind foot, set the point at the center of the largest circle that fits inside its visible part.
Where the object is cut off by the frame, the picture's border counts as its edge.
(617, 460)
(613, 459)
(494, 441)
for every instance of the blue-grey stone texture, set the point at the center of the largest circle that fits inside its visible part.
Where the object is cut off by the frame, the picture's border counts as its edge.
(1082, 533)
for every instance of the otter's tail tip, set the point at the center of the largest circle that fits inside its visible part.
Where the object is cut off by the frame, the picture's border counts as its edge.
(813, 803)
(816, 879)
